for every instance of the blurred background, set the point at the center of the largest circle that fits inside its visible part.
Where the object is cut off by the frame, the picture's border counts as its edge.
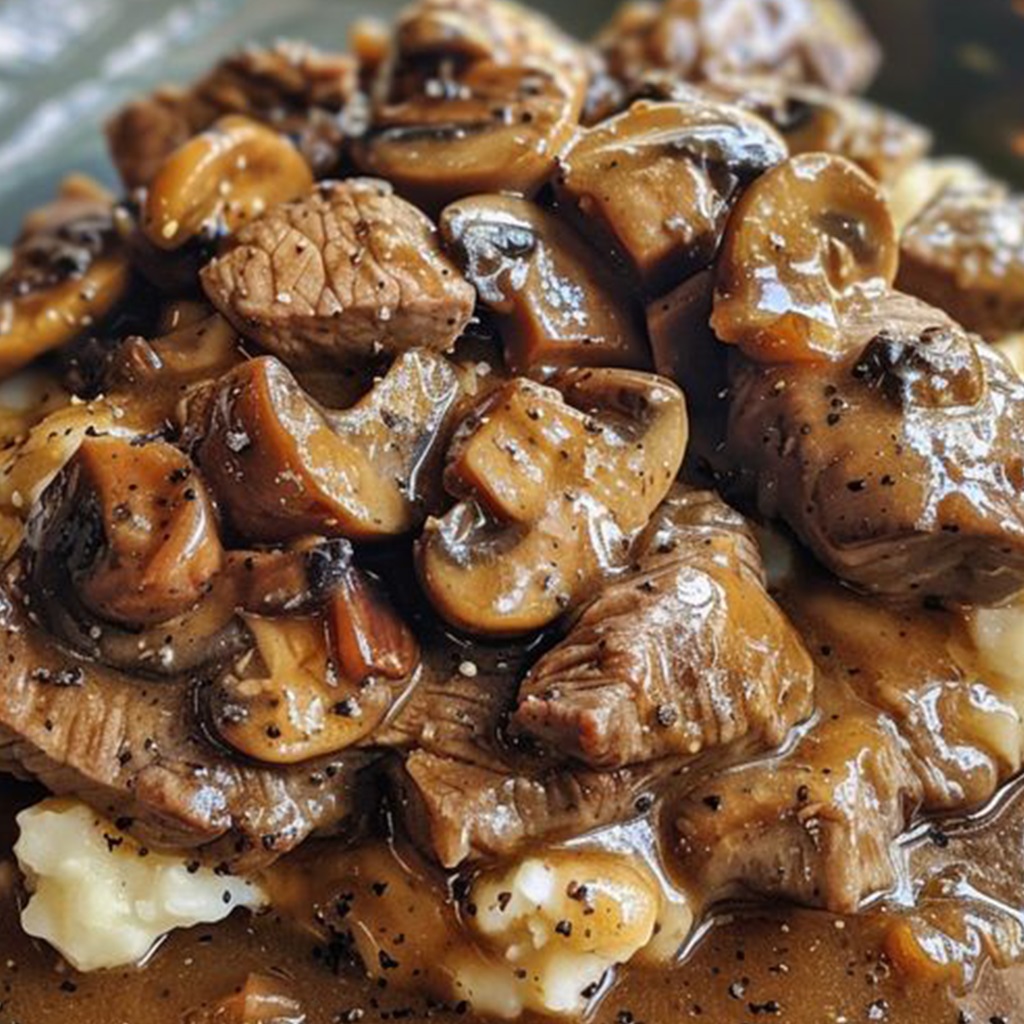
(956, 65)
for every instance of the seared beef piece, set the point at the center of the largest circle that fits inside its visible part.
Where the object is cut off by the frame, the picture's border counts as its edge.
(684, 655)
(466, 812)
(961, 729)
(814, 120)
(290, 86)
(965, 254)
(466, 794)
(136, 752)
(900, 467)
(348, 273)
(818, 41)
(817, 826)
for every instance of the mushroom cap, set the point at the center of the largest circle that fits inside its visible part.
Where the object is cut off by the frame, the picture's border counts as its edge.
(808, 244)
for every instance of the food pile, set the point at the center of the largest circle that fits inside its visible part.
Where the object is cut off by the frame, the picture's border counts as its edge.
(401, 428)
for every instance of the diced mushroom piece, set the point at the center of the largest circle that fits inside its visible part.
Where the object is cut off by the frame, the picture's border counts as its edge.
(658, 181)
(684, 655)
(813, 120)
(501, 130)
(347, 273)
(899, 467)
(808, 243)
(554, 485)
(315, 686)
(136, 531)
(965, 254)
(68, 272)
(555, 302)
(818, 41)
(220, 180)
(281, 466)
(292, 87)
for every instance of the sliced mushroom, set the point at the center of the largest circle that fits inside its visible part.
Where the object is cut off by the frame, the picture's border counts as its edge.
(282, 466)
(810, 241)
(347, 273)
(193, 351)
(658, 181)
(125, 563)
(813, 120)
(456, 31)
(554, 486)
(314, 686)
(498, 127)
(221, 179)
(139, 541)
(556, 303)
(68, 272)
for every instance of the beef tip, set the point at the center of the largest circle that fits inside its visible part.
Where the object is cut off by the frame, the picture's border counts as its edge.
(136, 752)
(684, 655)
(960, 726)
(464, 812)
(816, 826)
(347, 273)
(965, 254)
(822, 42)
(814, 120)
(464, 793)
(899, 466)
(292, 87)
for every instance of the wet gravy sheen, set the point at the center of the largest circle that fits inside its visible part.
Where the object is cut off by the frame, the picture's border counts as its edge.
(754, 965)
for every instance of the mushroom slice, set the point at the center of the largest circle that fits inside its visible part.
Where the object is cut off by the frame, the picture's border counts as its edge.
(347, 273)
(190, 353)
(554, 485)
(657, 182)
(813, 120)
(555, 302)
(282, 466)
(136, 534)
(498, 127)
(68, 272)
(221, 179)
(473, 30)
(810, 241)
(314, 686)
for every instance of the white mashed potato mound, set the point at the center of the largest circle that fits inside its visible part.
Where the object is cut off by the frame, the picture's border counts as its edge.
(998, 635)
(103, 901)
(550, 929)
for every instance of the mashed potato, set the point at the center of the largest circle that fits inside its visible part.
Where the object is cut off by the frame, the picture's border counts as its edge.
(551, 929)
(102, 900)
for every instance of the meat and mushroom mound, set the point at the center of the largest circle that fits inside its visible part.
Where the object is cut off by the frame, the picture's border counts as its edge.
(367, 508)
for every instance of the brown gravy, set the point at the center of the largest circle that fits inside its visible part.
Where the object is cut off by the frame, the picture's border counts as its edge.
(775, 963)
